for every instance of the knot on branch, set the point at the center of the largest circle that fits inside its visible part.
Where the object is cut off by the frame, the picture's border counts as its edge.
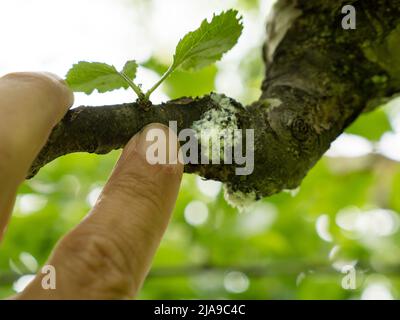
(300, 129)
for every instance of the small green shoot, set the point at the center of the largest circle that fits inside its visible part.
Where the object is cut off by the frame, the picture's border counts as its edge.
(196, 50)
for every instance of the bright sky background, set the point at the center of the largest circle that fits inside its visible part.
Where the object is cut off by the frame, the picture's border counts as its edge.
(52, 35)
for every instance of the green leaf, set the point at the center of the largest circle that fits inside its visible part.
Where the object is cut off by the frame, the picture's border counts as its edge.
(89, 76)
(208, 43)
(130, 69)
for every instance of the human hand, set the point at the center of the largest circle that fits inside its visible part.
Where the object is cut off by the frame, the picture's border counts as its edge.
(108, 255)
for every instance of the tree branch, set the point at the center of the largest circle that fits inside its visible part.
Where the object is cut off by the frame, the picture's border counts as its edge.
(319, 78)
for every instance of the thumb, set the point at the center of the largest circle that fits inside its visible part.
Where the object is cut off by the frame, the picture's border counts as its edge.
(109, 254)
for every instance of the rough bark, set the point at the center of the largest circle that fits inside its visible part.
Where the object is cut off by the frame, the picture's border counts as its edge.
(319, 79)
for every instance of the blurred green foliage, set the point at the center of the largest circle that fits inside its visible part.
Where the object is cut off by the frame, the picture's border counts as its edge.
(371, 126)
(289, 246)
(184, 83)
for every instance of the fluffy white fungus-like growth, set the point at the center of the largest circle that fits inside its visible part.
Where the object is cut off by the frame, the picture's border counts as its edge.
(221, 124)
(238, 199)
(218, 125)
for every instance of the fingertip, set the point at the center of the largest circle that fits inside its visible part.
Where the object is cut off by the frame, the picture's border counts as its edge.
(148, 172)
(56, 91)
(158, 146)
(31, 104)
(65, 96)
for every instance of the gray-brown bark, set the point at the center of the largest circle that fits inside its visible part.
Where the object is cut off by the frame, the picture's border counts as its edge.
(319, 78)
